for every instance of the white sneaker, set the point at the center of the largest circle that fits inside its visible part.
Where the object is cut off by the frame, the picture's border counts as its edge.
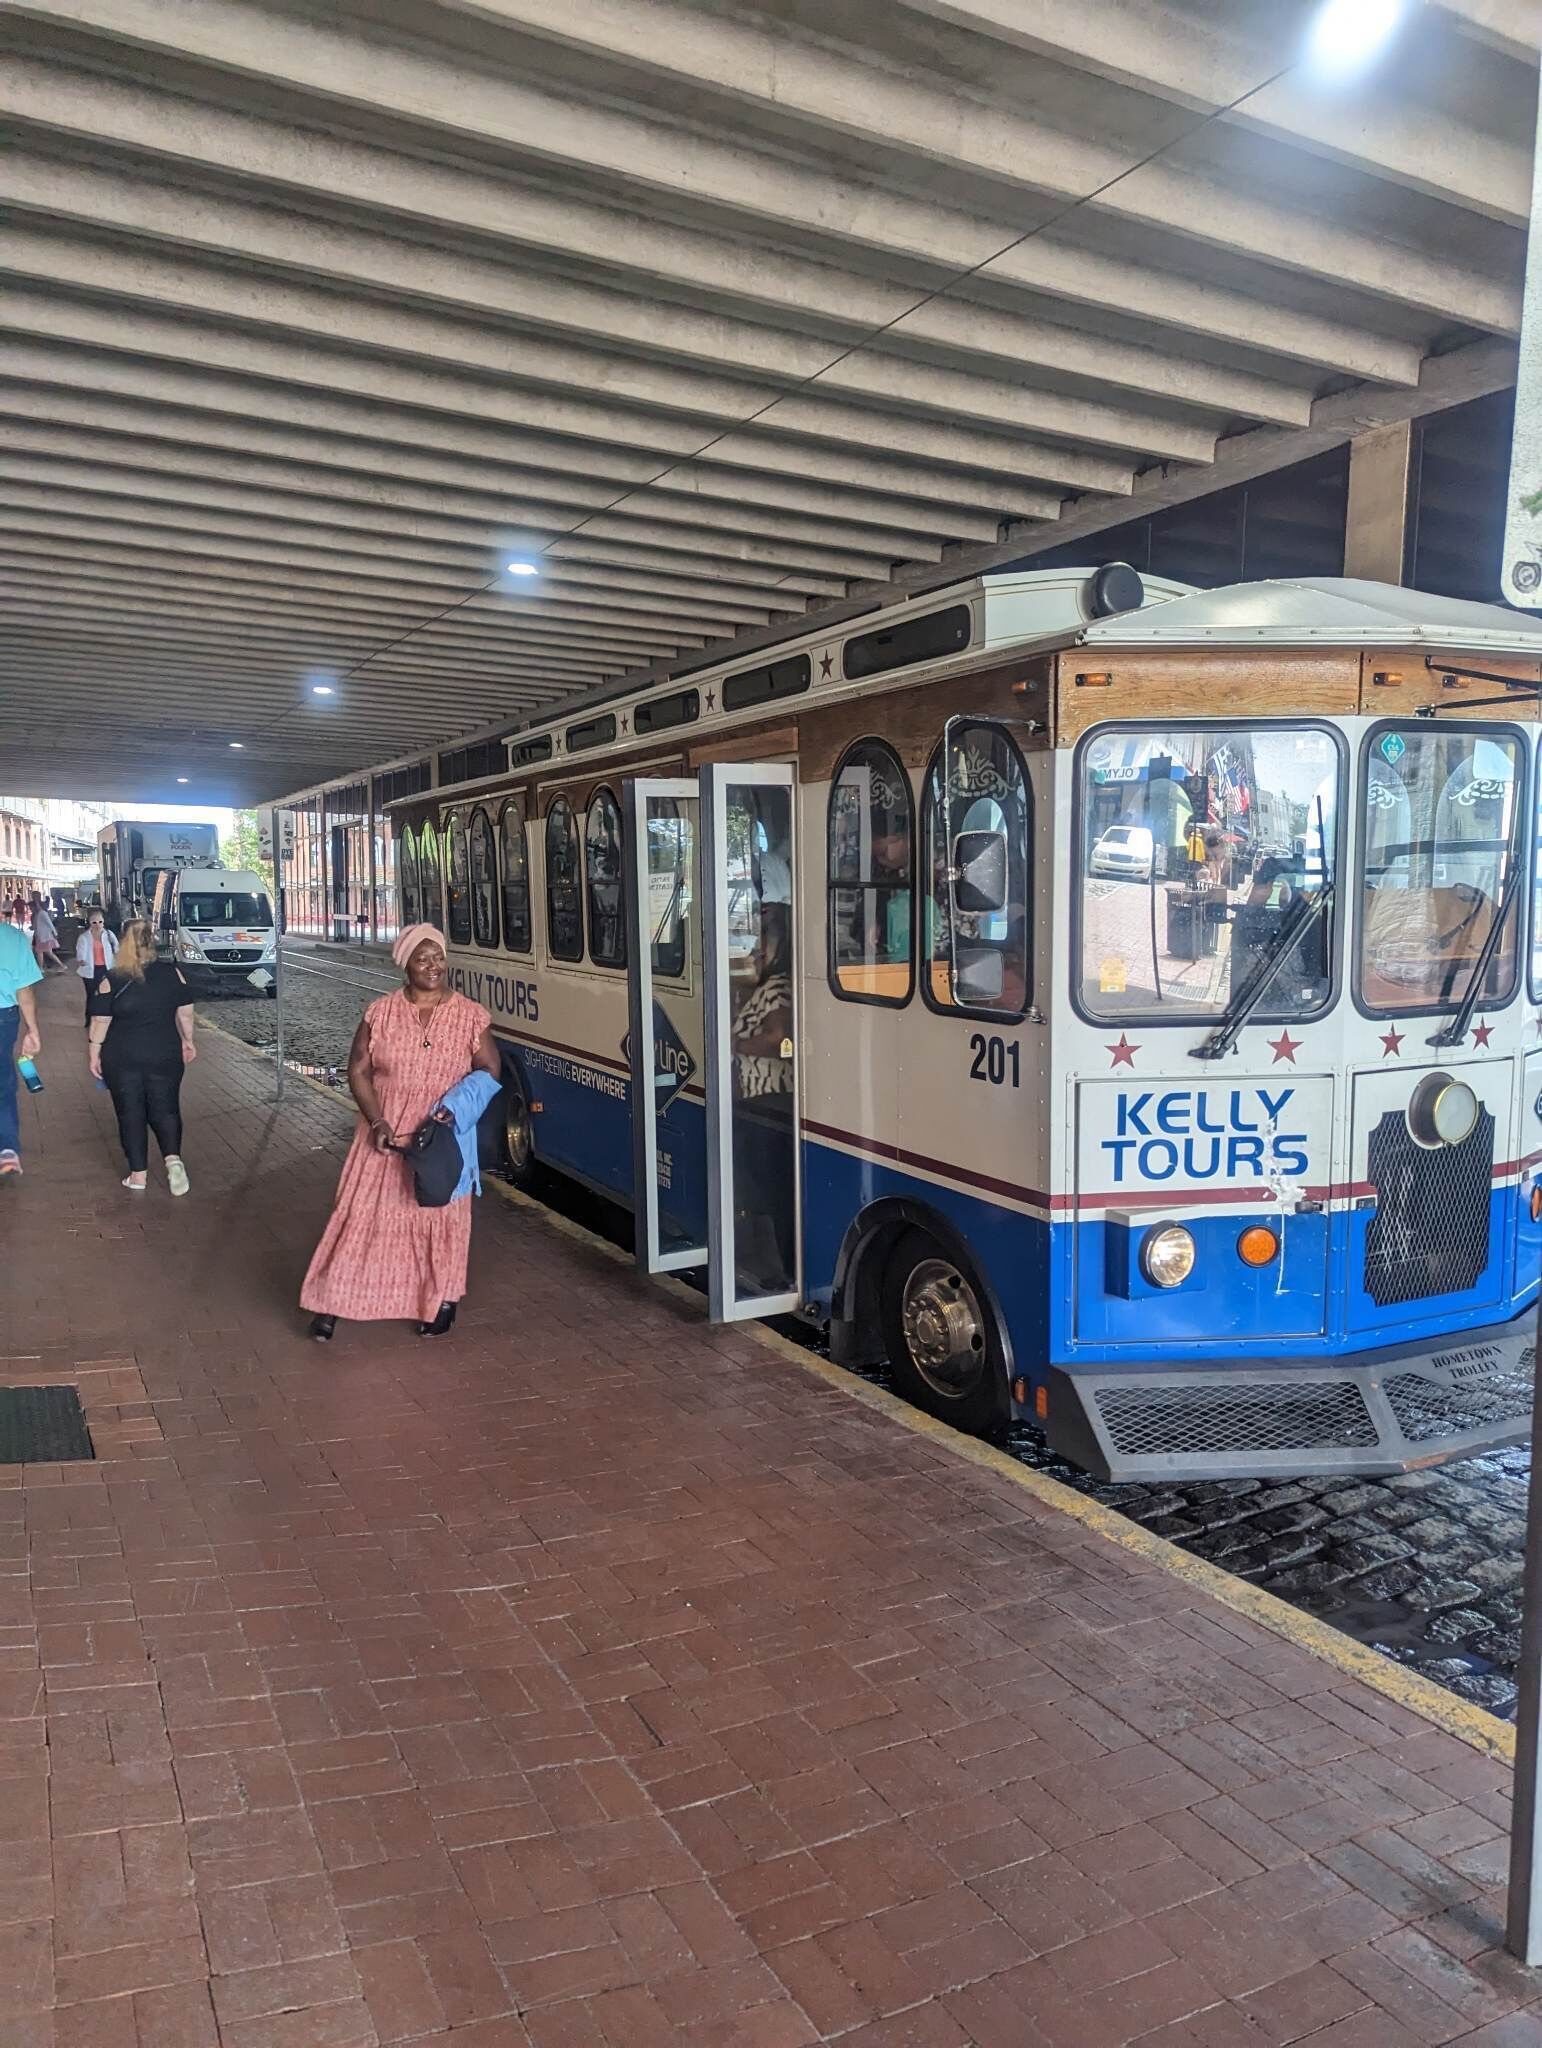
(176, 1176)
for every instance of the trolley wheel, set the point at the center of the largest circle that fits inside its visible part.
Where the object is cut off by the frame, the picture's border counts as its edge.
(520, 1162)
(944, 1348)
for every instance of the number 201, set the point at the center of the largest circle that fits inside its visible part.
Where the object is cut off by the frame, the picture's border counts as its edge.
(994, 1060)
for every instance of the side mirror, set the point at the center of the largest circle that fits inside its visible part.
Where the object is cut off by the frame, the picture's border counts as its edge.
(979, 976)
(980, 872)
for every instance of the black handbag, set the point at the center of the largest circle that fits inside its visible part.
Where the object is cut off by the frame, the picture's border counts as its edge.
(434, 1156)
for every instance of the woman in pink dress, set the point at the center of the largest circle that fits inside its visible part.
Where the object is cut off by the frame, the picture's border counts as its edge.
(382, 1256)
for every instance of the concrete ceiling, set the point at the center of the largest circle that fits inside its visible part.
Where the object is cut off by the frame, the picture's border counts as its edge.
(316, 316)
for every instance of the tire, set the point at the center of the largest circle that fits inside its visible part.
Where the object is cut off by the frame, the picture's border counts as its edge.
(941, 1336)
(271, 994)
(519, 1161)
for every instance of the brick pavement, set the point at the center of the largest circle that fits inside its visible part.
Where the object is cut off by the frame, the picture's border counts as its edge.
(597, 1680)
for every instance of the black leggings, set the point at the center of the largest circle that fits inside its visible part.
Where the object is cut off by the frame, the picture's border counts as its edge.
(146, 1099)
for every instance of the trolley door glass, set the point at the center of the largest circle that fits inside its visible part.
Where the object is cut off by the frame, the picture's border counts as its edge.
(752, 1120)
(669, 1135)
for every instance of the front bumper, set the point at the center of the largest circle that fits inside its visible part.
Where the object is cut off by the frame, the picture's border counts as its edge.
(1393, 1409)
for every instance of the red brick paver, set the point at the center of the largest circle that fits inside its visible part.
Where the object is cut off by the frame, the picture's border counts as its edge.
(595, 1679)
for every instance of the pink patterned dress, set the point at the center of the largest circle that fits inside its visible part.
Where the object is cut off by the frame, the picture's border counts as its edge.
(381, 1257)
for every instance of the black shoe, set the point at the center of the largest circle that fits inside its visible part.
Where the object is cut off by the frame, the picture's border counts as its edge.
(441, 1322)
(322, 1328)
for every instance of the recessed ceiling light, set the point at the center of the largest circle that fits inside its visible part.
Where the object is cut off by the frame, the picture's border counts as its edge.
(522, 568)
(321, 689)
(181, 778)
(238, 745)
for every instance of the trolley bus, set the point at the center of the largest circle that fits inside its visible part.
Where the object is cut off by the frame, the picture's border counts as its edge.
(1116, 1005)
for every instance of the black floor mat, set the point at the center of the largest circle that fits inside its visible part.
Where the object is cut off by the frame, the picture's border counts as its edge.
(42, 1425)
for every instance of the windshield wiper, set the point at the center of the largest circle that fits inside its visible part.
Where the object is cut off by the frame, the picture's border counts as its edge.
(1256, 984)
(1453, 1032)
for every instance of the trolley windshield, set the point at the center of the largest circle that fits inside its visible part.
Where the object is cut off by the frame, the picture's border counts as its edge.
(1441, 814)
(1200, 851)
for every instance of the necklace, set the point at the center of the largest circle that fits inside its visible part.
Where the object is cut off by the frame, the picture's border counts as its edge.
(425, 1024)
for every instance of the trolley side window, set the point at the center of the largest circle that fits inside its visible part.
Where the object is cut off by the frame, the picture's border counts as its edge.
(602, 861)
(871, 877)
(1442, 854)
(1202, 851)
(564, 886)
(978, 819)
(457, 879)
(428, 866)
(484, 879)
(412, 886)
(516, 876)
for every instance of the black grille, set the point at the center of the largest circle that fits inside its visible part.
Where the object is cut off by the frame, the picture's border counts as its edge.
(1429, 1234)
(1425, 1409)
(225, 953)
(1271, 1415)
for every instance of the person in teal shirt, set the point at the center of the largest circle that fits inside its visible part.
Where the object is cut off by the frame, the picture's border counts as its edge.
(19, 1034)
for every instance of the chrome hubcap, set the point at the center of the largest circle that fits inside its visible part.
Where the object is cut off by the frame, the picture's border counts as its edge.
(516, 1127)
(944, 1328)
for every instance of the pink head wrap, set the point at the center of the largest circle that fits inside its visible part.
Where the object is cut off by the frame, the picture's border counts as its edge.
(412, 938)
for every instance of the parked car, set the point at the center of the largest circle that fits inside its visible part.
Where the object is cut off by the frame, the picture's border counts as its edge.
(1124, 850)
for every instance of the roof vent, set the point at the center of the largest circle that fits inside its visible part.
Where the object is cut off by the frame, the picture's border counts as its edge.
(1116, 587)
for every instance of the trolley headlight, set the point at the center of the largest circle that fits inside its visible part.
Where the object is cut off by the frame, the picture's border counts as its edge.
(1441, 1111)
(1167, 1255)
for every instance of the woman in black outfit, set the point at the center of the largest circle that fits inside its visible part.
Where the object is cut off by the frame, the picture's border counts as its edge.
(141, 1039)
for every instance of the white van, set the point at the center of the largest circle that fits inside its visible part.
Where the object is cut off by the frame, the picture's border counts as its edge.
(217, 924)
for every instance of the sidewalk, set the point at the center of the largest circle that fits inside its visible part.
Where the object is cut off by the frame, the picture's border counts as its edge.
(593, 1679)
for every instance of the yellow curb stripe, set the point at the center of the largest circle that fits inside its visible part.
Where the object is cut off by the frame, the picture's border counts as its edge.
(1471, 1724)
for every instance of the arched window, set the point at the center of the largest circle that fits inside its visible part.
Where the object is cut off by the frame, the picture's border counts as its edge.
(484, 879)
(412, 885)
(602, 852)
(979, 824)
(871, 877)
(516, 876)
(428, 866)
(564, 886)
(457, 880)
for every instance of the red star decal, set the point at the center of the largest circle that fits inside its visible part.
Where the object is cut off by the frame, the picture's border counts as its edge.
(711, 700)
(826, 663)
(1123, 1053)
(623, 721)
(1392, 1041)
(1482, 1033)
(1284, 1048)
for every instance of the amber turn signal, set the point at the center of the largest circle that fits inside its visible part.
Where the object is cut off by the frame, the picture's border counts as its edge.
(1257, 1245)
(1536, 1201)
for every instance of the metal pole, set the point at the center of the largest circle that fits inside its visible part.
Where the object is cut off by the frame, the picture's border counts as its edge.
(1523, 1921)
(370, 814)
(278, 957)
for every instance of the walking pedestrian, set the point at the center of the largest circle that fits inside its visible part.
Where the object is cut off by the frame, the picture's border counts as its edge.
(19, 1035)
(95, 951)
(45, 937)
(141, 1039)
(381, 1255)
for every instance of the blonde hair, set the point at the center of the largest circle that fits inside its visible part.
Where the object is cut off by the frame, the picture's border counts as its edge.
(136, 949)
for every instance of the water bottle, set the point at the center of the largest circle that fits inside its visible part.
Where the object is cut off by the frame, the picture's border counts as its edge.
(26, 1066)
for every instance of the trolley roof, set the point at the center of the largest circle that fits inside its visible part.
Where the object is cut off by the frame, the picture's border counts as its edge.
(1314, 610)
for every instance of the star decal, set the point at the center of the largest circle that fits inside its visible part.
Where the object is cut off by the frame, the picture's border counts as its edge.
(1285, 1048)
(1123, 1053)
(1392, 1041)
(1482, 1033)
(711, 700)
(624, 721)
(826, 663)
